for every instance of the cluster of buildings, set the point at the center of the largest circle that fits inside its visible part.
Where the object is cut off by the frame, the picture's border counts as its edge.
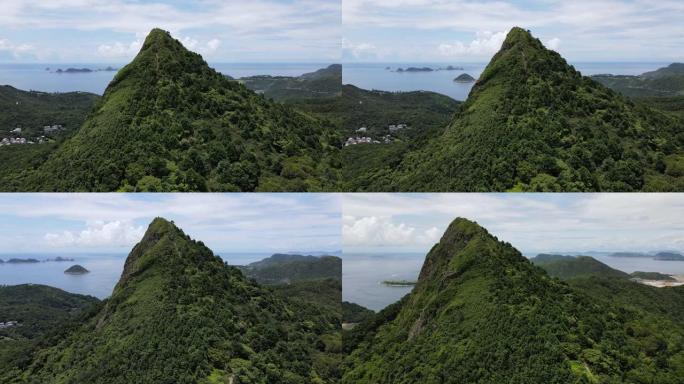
(362, 139)
(394, 128)
(22, 140)
(52, 128)
(8, 324)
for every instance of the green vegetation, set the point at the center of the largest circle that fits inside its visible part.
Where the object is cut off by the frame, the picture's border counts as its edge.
(324, 83)
(399, 283)
(168, 122)
(566, 267)
(668, 81)
(354, 313)
(285, 269)
(32, 110)
(179, 314)
(42, 313)
(482, 313)
(533, 123)
(425, 113)
(652, 276)
(76, 270)
(464, 78)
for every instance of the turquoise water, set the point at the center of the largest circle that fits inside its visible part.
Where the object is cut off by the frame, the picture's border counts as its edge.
(36, 76)
(105, 271)
(363, 273)
(376, 76)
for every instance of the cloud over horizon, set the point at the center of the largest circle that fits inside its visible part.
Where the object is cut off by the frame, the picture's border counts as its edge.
(426, 30)
(223, 30)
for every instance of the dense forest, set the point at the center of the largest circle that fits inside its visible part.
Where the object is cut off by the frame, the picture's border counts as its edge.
(483, 313)
(534, 123)
(667, 81)
(288, 268)
(179, 314)
(321, 84)
(168, 122)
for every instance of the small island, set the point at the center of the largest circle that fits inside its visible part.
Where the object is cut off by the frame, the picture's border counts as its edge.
(415, 69)
(22, 261)
(464, 78)
(451, 68)
(74, 70)
(76, 270)
(60, 259)
(399, 283)
(668, 256)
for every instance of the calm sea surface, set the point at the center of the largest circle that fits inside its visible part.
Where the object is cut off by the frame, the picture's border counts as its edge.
(105, 271)
(43, 77)
(362, 274)
(377, 76)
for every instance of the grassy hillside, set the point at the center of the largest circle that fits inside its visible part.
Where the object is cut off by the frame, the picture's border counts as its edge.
(482, 313)
(567, 267)
(40, 313)
(323, 83)
(533, 123)
(285, 269)
(32, 110)
(667, 81)
(168, 122)
(179, 314)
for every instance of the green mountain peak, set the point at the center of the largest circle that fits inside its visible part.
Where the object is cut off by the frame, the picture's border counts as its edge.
(180, 312)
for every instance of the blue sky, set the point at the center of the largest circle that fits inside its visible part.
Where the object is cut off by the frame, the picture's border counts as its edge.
(112, 31)
(472, 31)
(533, 223)
(105, 223)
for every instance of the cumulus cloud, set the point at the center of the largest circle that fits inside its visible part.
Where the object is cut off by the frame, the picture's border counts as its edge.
(206, 48)
(119, 50)
(16, 50)
(358, 50)
(485, 43)
(553, 43)
(383, 231)
(98, 234)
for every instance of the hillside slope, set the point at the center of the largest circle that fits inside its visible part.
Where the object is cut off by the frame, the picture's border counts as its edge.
(168, 122)
(568, 267)
(533, 123)
(180, 315)
(287, 268)
(482, 313)
(666, 81)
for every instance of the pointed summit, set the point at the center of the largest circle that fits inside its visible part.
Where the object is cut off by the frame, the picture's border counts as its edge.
(482, 313)
(534, 123)
(465, 246)
(180, 313)
(169, 122)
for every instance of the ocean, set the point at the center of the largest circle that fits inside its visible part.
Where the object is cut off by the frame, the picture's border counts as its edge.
(363, 273)
(105, 270)
(44, 77)
(377, 76)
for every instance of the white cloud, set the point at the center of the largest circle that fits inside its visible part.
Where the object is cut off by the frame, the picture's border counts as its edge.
(553, 43)
(358, 50)
(16, 50)
(119, 50)
(485, 43)
(636, 30)
(383, 231)
(98, 234)
(531, 222)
